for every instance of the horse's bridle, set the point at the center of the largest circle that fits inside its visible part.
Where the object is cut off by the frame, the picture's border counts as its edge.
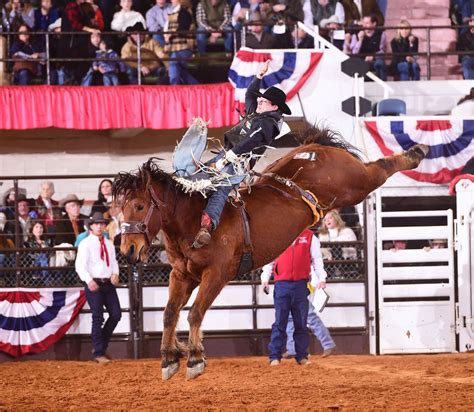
(142, 227)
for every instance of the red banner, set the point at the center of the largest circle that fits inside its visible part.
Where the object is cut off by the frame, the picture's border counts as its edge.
(99, 107)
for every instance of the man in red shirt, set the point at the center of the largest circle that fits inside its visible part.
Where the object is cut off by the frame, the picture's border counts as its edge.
(292, 270)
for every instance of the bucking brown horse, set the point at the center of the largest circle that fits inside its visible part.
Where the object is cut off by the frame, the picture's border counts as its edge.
(152, 200)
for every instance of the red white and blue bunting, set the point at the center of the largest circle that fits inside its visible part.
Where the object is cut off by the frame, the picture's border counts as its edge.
(451, 144)
(288, 70)
(33, 320)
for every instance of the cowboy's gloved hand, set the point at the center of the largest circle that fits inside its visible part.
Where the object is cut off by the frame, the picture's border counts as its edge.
(230, 156)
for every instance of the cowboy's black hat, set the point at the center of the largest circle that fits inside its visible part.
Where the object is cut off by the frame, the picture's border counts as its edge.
(277, 97)
(97, 217)
(138, 26)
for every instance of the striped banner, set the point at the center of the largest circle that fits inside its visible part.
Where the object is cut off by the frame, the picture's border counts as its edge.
(33, 320)
(288, 70)
(451, 144)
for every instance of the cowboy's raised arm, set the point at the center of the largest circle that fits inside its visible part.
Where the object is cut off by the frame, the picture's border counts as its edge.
(254, 86)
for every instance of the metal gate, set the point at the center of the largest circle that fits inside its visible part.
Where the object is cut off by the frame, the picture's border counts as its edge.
(465, 251)
(416, 302)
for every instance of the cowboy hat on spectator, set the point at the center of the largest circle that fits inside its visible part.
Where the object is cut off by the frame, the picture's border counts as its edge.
(71, 198)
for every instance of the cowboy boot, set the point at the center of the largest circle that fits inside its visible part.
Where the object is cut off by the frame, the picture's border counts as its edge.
(203, 237)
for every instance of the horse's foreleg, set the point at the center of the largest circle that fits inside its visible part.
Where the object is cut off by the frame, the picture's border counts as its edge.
(180, 289)
(210, 286)
(380, 170)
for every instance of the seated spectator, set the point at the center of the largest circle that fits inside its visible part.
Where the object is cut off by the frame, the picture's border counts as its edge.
(8, 202)
(72, 45)
(302, 39)
(18, 12)
(46, 206)
(57, 69)
(257, 37)
(36, 240)
(29, 53)
(213, 22)
(104, 198)
(465, 106)
(7, 236)
(333, 229)
(436, 244)
(353, 12)
(243, 13)
(108, 70)
(151, 55)
(405, 42)
(369, 42)
(179, 45)
(94, 14)
(156, 19)
(399, 245)
(46, 15)
(71, 222)
(332, 29)
(284, 14)
(126, 17)
(7, 228)
(95, 77)
(461, 12)
(25, 216)
(466, 43)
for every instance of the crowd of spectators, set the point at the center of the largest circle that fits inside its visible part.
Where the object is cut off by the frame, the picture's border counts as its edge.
(171, 32)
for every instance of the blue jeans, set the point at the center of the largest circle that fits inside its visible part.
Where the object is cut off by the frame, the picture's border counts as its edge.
(160, 39)
(108, 79)
(408, 71)
(202, 36)
(105, 296)
(290, 297)
(22, 77)
(378, 65)
(316, 326)
(467, 63)
(178, 69)
(159, 72)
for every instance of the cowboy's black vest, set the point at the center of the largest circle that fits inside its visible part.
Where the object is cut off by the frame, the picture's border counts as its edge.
(239, 132)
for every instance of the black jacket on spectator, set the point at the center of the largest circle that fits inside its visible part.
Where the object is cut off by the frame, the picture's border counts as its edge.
(402, 45)
(371, 45)
(466, 42)
(64, 230)
(266, 41)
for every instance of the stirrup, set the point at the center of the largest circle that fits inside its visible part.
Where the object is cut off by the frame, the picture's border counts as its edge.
(202, 238)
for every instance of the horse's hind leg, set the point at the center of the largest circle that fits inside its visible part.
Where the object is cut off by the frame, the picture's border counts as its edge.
(210, 286)
(180, 289)
(380, 170)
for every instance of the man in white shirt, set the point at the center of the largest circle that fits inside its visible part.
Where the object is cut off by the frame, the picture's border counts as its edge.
(97, 266)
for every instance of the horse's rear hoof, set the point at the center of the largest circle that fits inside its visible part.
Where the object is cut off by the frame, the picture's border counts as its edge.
(420, 150)
(169, 371)
(195, 371)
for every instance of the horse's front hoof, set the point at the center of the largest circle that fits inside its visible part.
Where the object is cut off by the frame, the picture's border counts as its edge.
(169, 371)
(195, 371)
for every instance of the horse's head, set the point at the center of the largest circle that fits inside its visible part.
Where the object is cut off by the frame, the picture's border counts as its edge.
(140, 197)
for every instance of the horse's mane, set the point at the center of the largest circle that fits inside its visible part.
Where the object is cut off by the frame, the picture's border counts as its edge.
(325, 137)
(126, 183)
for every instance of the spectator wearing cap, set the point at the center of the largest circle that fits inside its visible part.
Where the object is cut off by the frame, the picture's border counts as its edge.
(97, 266)
(151, 56)
(156, 19)
(126, 17)
(466, 44)
(213, 19)
(257, 37)
(178, 44)
(71, 222)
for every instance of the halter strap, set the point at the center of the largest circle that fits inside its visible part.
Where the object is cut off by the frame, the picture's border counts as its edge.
(142, 227)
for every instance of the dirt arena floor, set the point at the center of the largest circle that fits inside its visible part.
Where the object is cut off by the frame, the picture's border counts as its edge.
(432, 382)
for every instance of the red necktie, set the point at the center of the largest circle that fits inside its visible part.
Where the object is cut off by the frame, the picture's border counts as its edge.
(104, 254)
